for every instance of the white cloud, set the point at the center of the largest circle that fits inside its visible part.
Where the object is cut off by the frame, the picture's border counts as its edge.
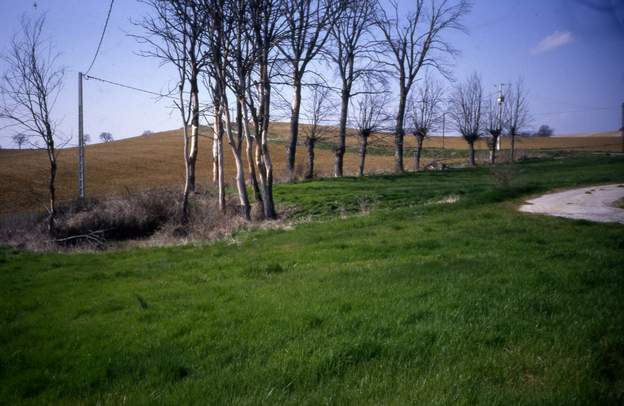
(553, 41)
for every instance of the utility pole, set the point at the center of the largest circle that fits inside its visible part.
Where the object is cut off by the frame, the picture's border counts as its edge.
(443, 128)
(81, 146)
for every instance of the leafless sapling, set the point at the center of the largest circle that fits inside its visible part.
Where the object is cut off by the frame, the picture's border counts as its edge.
(317, 112)
(368, 116)
(466, 111)
(416, 41)
(516, 113)
(425, 114)
(30, 86)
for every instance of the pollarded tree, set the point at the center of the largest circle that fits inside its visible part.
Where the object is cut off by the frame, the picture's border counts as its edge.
(369, 115)
(517, 115)
(494, 117)
(316, 112)
(416, 41)
(425, 114)
(309, 24)
(29, 88)
(466, 111)
(351, 42)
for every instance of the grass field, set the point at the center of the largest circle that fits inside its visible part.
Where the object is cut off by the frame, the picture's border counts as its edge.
(147, 162)
(424, 288)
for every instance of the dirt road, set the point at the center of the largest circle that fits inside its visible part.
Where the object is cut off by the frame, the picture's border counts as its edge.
(592, 203)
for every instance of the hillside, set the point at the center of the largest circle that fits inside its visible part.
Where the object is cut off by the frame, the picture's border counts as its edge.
(153, 161)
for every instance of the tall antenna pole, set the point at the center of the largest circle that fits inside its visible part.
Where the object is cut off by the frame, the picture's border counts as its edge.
(499, 120)
(622, 129)
(81, 146)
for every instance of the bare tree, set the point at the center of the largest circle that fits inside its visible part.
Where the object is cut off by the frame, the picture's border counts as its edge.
(86, 138)
(494, 126)
(106, 137)
(466, 111)
(173, 34)
(545, 131)
(425, 114)
(316, 112)
(417, 41)
(517, 113)
(309, 25)
(29, 89)
(349, 48)
(266, 29)
(368, 116)
(223, 41)
(20, 139)
(241, 68)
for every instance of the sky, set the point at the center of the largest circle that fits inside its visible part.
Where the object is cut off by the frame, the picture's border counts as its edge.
(570, 54)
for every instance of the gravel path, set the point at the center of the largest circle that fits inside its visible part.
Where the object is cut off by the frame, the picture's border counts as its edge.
(592, 203)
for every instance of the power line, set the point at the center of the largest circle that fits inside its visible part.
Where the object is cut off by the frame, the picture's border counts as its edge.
(97, 51)
(137, 89)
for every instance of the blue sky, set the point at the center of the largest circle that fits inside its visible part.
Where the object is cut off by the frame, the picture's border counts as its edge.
(570, 54)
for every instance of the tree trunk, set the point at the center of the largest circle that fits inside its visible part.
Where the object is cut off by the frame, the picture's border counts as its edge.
(472, 153)
(52, 189)
(493, 151)
(513, 145)
(215, 154)
(218, 129)
(363, 146)
(342, 129)
(187, 185)
(265, 154)
(194, 133)
(249, 144)
(235, 145)
(418, 152)
(310, 169)
(291, 151)
(399, 132)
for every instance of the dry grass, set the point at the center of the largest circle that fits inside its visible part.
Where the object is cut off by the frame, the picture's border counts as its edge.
(148, 162)
(146, 218)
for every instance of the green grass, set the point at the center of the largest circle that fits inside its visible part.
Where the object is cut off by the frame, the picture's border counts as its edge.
(463, 303)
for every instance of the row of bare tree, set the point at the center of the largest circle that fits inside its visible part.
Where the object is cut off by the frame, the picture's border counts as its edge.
(233, 56)
(243, 52)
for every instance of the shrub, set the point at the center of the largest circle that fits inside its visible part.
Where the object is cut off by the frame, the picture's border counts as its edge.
(152, 217)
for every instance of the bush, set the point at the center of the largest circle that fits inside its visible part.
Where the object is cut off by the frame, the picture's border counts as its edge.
(152, 217)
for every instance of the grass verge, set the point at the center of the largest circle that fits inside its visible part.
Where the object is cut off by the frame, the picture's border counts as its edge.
(424, 300)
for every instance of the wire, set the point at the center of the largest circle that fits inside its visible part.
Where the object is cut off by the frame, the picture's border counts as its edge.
(97, 51)
(137, 89)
